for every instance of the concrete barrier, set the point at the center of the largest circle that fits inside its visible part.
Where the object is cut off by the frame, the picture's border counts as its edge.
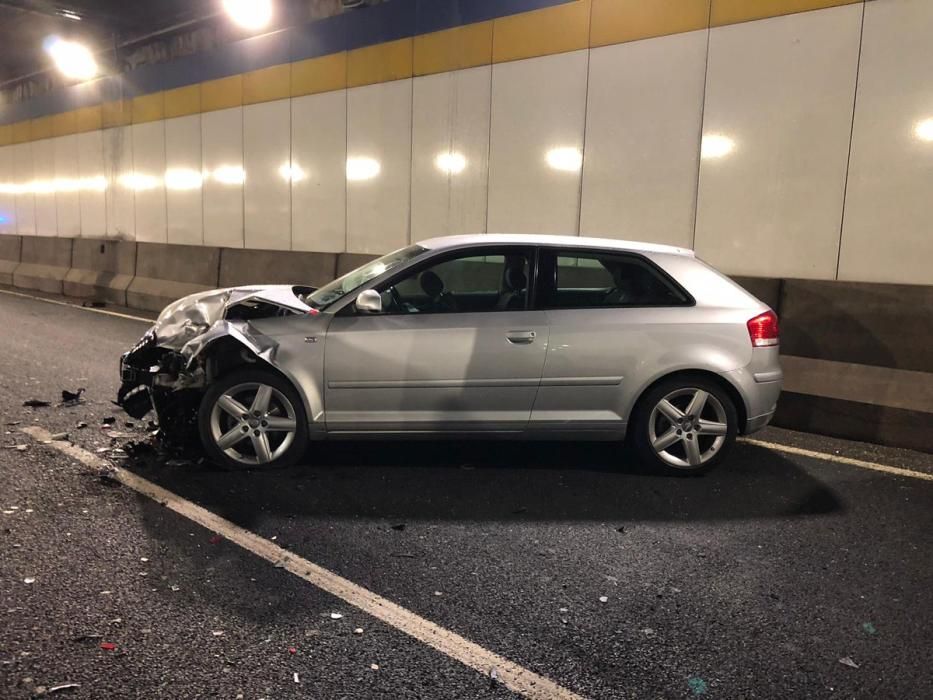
(101, 269)
(239, 266)
(351, 261)
(165, 273)
(44, 262)
(10, 249)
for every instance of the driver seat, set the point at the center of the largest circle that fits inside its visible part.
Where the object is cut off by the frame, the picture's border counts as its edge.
(513, 296)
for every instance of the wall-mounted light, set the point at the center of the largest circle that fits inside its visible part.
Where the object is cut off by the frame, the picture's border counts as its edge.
(362, 168)
(72, 59)
(450, 162)
(923, 129)
(249, 14)
(183, 179)
(229, 175)
(716, 146)
(566, 158)
(138, 181)
(291, 172)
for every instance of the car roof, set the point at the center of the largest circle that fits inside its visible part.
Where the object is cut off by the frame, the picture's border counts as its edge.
(550, 240)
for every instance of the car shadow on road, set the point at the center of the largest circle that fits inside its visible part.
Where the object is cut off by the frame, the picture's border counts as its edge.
(473, 481)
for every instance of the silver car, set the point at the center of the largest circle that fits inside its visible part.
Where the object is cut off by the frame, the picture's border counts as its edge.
(533, 337)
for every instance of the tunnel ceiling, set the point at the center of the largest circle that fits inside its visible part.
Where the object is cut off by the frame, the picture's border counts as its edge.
(24, 24)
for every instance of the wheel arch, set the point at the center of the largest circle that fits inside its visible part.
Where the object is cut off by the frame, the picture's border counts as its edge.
(728, 387)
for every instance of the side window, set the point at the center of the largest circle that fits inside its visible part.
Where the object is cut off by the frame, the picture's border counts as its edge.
(592, 280)
(474, 282)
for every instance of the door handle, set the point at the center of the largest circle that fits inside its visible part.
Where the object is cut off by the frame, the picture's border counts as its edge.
(520, 337)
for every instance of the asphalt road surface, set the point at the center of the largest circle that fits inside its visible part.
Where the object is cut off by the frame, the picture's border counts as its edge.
(777, 576)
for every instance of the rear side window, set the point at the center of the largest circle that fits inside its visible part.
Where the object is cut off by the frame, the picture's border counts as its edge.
(575, 280)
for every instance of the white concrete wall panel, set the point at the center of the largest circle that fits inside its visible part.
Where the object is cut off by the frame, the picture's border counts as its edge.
(536, 144)
(148, 181)
(25, 198)
(450, 150)
(378, 168)
(887, 234)
(224, 174)
(318, 161)
(183, 181)
(119, 199)
(644, 108)
(67, 186)
(267, 161)
(91, 196)
(43, 164)
(777, 117)
(7, 192)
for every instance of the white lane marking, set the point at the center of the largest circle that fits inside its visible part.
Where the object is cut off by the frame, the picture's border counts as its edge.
(76, 306)
(851, 461)
(516, 678)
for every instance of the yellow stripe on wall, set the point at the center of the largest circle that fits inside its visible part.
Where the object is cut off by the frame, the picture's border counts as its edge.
(222, 93)
(6, 134)
(322, 74)
(454, 49)
(267, 84)
(542, 32)
(65, 123)
(380, 63)
(88, 118)
(149, 108)
(21, 131)
(116, 113)
(735, 11)
(41, 128)
(618, 21)
(183, 101)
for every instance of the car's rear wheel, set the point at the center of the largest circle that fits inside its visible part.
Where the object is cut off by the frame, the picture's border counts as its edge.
(685, 425)
(253, 418)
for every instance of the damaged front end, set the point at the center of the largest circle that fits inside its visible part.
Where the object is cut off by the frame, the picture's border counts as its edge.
(170, 366)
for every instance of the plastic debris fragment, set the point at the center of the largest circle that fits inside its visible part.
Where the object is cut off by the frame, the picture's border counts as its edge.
(108, 646)
(72, 398)
(847, 661)
(335, 616)
(29, 580)
(36, 403)
(358, 630)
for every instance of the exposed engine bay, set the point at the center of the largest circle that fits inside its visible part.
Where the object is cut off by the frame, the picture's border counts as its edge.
(195, 339)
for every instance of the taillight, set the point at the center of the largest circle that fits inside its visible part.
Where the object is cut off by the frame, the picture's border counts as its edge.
(763, 329)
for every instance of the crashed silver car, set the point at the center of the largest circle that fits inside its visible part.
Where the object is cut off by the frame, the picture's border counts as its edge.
(495, 335)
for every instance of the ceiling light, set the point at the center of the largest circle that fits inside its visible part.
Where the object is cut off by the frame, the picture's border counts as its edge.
(249, 14)
(568, 159)
(716, 146)
(450, 162)
(139, 181)
(290, 172)
(924, 130)
(74, 60)
(362, 168)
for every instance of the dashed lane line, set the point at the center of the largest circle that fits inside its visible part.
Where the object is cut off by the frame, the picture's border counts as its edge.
(839, 459)
(514, 677)
(58, 302)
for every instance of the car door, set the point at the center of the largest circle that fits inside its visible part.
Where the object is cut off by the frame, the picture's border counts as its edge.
(609, 314)
(456, 348)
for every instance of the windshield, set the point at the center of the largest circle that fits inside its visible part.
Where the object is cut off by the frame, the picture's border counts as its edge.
(328, 294)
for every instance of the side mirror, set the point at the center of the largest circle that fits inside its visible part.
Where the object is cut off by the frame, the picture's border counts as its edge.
(369, 301)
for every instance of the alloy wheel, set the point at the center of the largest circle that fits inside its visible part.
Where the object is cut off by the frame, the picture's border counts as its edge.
(687, 428)
(253, 423)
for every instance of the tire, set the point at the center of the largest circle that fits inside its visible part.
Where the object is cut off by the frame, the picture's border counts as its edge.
(667, 434)
(272, 433)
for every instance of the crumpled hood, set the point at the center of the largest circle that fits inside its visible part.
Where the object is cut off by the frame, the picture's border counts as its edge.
(192, 316)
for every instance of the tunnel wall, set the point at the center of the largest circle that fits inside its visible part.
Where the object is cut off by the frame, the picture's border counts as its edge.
(793, 145)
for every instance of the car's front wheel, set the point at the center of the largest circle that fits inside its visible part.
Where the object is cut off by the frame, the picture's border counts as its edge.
(253, 418)
(685, 425)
